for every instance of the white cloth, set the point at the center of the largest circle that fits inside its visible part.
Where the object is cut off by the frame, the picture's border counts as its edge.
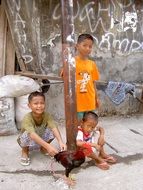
(92, 137)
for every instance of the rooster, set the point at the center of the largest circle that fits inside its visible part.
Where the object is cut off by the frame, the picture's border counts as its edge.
(70, 160)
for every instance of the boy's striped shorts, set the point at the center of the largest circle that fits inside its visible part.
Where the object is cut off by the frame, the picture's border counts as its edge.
(24, 139)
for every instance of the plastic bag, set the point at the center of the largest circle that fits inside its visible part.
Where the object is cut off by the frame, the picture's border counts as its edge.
(16, 85)
(21, 108)
(7, 117)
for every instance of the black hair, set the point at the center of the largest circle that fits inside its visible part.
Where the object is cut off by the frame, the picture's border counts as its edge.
(90, 115)
(34, 94)
(83, 37)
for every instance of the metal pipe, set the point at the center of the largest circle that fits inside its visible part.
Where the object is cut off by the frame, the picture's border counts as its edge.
(68, 52)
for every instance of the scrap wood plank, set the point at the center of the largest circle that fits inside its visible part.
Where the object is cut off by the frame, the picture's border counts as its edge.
(38, 76)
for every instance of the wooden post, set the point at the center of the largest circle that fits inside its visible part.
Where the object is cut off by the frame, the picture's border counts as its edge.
(10, 54)
(68, 51)
(11, 25)
(3, 27)
(7, 50)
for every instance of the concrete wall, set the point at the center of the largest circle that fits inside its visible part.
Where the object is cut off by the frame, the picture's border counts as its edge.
(117, 30)
(117, 27)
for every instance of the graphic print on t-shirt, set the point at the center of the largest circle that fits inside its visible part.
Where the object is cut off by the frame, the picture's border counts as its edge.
(84, 81)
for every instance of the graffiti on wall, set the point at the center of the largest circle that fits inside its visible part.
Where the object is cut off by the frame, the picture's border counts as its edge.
(19, 29)
(19, 22)
(114, 25)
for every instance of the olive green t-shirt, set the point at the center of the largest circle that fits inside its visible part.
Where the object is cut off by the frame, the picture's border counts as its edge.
(29, 125)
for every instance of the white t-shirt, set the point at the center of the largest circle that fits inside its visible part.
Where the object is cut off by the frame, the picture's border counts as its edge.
(91, 137)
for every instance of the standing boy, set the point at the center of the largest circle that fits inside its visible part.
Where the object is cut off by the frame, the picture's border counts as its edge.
(86, 74)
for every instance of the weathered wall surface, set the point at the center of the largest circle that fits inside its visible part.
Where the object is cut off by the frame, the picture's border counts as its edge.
(117, 27)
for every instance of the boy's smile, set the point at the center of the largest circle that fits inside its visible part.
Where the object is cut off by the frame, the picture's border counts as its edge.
(37, 105)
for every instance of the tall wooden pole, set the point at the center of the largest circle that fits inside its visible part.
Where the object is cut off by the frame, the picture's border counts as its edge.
(68, 51)
(3, 29)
